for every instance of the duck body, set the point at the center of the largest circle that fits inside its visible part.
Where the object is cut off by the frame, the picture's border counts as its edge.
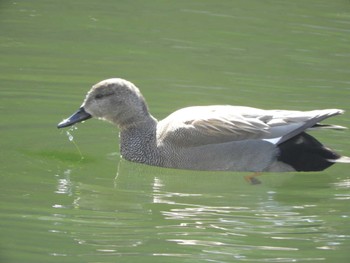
(217, 137)
(142, 146)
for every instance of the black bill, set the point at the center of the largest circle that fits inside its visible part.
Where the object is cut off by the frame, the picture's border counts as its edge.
(78, 116)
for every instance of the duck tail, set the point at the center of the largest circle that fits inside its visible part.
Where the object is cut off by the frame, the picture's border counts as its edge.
(304, 153)
(342, 159)
(318, 126)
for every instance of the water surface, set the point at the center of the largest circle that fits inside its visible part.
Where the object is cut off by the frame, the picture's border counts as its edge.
(58, 207)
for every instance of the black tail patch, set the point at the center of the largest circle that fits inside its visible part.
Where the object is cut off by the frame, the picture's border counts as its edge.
(304, 153)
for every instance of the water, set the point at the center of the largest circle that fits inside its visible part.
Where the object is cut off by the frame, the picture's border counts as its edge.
(58, 207)
(70, 136)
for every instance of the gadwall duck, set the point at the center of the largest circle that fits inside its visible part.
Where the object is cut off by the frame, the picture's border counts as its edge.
(229, 138)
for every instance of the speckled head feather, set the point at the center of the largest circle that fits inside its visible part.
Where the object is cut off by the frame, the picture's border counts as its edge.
(117, 101)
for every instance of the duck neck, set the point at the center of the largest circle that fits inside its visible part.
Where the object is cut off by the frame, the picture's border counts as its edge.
(138, 142)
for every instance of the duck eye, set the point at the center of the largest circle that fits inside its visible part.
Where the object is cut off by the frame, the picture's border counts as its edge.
(103, 95)
(98, 96)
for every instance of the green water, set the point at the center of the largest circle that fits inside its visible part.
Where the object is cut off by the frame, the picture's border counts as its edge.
(57, 207)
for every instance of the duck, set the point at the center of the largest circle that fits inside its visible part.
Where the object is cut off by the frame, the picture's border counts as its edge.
(210, 138)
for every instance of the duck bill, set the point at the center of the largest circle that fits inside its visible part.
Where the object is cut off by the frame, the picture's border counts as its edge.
(79, 116)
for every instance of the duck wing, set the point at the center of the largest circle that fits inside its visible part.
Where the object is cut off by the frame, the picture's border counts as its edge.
(202, 125)
(288, 124)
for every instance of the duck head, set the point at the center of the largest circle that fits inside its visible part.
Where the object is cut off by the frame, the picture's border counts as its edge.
(115, 100)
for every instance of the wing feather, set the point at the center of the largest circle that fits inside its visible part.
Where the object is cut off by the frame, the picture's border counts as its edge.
(194, 126)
